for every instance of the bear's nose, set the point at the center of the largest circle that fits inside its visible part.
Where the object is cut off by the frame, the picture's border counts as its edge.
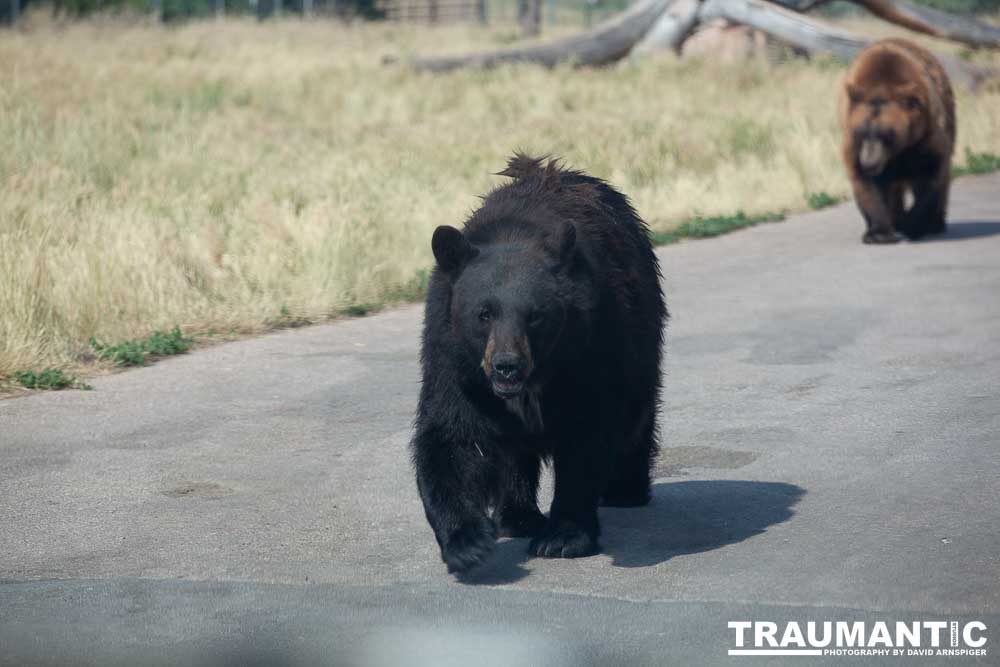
(507, 366)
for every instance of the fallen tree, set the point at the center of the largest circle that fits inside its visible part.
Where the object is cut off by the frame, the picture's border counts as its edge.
(671, 29)
(605, 43)
(815, 36)
(651, 25)
(918, 18)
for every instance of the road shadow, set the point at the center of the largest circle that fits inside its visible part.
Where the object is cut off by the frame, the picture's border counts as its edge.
(683, 518)
(505, 565)
(694, 516)
(966, 229)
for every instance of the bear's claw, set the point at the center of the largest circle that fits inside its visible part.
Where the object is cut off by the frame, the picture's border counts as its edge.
(881, 238)
(564, 542)
(469, 545)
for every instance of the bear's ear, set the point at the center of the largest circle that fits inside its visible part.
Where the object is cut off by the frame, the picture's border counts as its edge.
(561, 243)
(451, 249)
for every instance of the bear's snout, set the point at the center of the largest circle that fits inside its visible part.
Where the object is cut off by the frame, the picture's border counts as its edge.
(508, 374)
(508, 366)
(873, 156)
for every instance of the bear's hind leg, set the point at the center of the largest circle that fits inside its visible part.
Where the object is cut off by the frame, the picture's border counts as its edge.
(630, 482)
(927, 216)
(895, 196)
(572, 528)
(518, 514)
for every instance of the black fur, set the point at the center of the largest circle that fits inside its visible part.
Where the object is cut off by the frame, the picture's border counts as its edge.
(542, 341)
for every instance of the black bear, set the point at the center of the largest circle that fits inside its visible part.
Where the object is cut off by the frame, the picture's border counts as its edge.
(542, 340)
(897, 111)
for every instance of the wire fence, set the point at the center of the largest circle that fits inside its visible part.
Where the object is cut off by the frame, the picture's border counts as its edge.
(554, 12)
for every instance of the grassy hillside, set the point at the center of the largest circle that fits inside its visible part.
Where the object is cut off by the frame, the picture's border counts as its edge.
(236, 176)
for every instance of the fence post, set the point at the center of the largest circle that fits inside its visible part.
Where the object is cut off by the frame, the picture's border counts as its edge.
(307, 8)
(481, 12)
(530, 16)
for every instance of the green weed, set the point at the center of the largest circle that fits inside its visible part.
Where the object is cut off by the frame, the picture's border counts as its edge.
(977, 163)
(818, 200)
(360, 309)
(50, 378)
(703, 228)
(138, 352)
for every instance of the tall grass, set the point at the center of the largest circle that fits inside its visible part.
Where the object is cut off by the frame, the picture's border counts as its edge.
(230, 175)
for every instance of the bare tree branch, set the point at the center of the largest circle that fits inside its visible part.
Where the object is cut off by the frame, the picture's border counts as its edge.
(649, 24)
(607, 42)
(802, 5)
(786, 26)
(818, 37)
(926, 20)
(930, 21)
(671, 29)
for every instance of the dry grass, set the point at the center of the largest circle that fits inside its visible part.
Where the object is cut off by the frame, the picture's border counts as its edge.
(228, 176)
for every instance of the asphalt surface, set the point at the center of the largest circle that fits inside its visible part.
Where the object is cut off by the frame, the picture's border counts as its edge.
(831, 451)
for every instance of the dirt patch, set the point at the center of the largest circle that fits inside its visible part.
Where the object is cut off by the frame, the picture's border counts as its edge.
(674, 460)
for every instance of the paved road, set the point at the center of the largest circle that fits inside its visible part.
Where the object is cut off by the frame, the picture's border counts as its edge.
(831, 452)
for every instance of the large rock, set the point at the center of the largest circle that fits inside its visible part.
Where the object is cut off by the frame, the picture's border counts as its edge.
(725, 42)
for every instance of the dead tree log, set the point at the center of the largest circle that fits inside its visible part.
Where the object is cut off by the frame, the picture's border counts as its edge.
(786, 26)
(818, 37)
(605, 43)
(934, 22)
(649, 24)
(670, 30)
(926, 20)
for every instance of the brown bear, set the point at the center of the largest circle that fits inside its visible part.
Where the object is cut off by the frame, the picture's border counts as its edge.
(897, 111)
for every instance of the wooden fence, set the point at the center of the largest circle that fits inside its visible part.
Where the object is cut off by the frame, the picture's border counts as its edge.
(433, 11)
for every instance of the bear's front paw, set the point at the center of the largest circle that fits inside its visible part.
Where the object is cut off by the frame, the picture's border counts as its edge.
(469, 545)
(881, 237)
(564, 540)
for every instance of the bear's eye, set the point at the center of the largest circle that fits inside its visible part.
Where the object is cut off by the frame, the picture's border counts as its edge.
(484, 314)
(911, 102)
(535, 320)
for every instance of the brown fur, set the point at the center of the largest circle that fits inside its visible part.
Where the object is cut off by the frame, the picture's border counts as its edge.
(491, 345)
(897, 112)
